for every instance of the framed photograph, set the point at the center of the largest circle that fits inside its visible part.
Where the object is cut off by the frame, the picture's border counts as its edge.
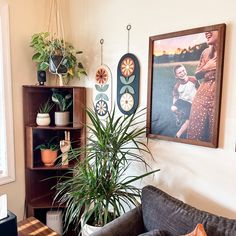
(184, 85)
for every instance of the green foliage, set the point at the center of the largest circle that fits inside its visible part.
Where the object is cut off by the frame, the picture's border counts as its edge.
(63, 100)
(100, 183)
(46, 107)
(44, 47)
(49, 144)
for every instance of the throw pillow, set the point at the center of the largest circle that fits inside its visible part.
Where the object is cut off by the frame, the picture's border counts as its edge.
(198, 231)
(154, 232)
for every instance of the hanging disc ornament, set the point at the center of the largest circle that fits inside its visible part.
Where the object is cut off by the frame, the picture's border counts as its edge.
(102, 98)
(103, 88)
(128, 72)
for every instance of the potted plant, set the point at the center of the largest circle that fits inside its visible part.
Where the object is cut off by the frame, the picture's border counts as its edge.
(56, 56)
(64, 101)
(101, 185)
(43, 117)
(48, 150)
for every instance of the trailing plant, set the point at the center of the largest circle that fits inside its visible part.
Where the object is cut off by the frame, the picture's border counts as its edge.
(51, 144)
(46, 107)
(62, 99)
(101, 186)
(45, 46)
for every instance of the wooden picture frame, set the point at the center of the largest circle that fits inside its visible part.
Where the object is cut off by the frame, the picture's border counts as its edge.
(184, 85)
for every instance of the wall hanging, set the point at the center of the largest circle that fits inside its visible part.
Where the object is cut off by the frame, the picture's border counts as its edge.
(184, 86)
(128, 74)
(103, 87)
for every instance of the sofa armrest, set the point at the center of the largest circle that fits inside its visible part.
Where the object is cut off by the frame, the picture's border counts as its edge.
(129, 224)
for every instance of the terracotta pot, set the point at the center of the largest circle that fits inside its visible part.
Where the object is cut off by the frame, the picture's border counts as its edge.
(43, 119)
(48, 157)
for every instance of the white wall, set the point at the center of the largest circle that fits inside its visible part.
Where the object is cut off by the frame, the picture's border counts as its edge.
(27, 17)
(203, 177)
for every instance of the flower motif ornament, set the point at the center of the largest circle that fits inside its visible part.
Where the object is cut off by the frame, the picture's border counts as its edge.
(127, 101)
(127, 67)
(101, 108)
(101, 76)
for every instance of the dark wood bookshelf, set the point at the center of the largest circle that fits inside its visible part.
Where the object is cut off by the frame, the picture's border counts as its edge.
(39, 179)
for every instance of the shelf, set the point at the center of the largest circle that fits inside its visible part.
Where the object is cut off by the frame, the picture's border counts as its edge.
(45, 202)
(50, 87)
(40, 180)
(33, 126)
(51, 167)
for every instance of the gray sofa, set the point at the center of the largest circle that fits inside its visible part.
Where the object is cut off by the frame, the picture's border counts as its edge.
(163, 215)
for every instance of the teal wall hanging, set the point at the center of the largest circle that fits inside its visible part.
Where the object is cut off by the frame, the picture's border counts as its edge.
(128, 76)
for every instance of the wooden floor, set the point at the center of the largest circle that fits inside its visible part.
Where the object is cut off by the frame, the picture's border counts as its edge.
(32, 226)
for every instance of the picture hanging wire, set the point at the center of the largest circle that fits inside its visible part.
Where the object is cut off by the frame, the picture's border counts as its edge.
(101, 42)
(128, 27)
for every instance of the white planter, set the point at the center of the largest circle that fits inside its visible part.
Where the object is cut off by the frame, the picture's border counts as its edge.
(43, 119)
(62, 118)
(87, 230)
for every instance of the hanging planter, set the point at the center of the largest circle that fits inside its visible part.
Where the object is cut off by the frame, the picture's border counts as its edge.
(52, 52)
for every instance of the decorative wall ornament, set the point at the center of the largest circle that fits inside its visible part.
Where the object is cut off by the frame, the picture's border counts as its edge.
(128, 73)
(103, 87)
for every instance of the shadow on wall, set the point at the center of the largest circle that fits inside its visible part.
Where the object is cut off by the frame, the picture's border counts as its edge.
(203, 203)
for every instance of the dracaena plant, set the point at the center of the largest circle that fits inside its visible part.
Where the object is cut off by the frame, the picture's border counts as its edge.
(101, 187)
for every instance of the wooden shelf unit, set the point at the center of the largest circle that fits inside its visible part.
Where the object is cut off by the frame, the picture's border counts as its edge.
(40, 179)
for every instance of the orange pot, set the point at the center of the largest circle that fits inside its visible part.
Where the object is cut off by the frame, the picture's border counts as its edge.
(48, 157)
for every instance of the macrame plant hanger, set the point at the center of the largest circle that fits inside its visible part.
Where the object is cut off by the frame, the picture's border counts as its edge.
(56, 35)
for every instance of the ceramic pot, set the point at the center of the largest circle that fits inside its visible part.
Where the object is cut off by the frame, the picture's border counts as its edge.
(48, 157)
(62, 118)
(56, 65)
(43, 119)
(87, 229)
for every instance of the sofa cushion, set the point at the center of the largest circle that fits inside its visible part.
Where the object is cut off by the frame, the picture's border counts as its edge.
(154, 232)
(166, 213)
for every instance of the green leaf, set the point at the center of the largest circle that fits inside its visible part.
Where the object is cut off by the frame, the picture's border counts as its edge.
(122, 79)
(98, 97)
(104, 87)
(98, 88)
(130, 89)
(43, 66)
(122, 90)
(131, 79)
(104, 97)
(36, 57)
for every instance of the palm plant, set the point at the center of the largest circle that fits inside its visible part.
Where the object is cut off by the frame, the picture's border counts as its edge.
(100, 187)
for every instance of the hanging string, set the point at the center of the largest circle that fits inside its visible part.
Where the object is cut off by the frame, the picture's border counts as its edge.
(55, 26)
(128, 27)
(101, 42)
